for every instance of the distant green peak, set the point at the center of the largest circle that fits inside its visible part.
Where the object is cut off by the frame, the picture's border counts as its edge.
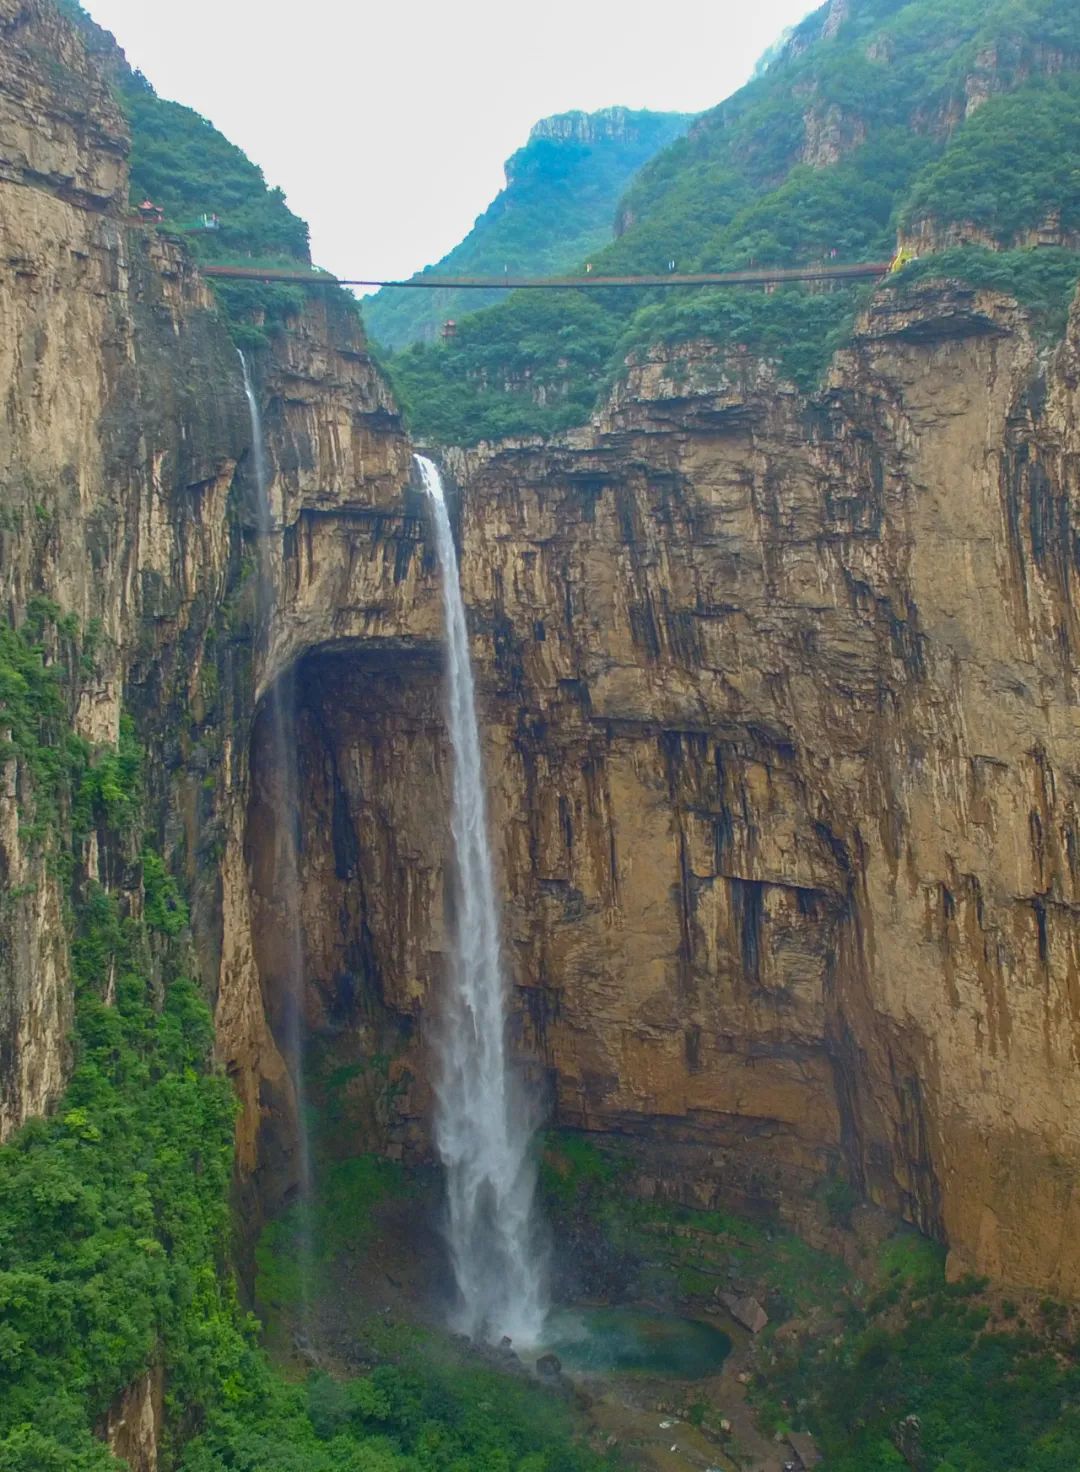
(556, 210)
(609, 124)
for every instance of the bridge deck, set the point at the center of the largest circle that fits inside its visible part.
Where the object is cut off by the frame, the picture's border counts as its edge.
(764, 276)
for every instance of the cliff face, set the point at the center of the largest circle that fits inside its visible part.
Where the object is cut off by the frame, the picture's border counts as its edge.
(84, 509)
(126, 502)
(781, 712)
(343, 573)
(786, 765)
(779, 697)
(606, 125)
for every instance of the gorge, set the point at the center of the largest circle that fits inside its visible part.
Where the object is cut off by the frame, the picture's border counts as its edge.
(777, 698)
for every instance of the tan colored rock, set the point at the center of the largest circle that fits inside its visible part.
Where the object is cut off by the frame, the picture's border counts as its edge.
(134, 1423)
(823, 665)
(780, 707)
(120, 500)
(779, 697)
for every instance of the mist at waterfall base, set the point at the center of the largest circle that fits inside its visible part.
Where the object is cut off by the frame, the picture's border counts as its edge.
(483, 1129)
(281, 705)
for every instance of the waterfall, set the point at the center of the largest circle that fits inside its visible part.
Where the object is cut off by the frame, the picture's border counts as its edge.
(281, 706)
(482, 1127)
(263, 520)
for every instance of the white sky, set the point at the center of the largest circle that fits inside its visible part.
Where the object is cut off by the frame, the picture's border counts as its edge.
(387, 124)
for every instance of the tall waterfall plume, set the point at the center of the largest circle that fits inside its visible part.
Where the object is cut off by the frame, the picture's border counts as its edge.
(482, 1128)
(290, 963)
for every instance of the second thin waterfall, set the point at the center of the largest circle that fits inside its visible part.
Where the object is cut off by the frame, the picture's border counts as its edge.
(482, 1128)
(282, 752)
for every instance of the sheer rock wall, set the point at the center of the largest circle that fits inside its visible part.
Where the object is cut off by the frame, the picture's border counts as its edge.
(126, 500)
(786, 761)
(781, 713)
(779, 697)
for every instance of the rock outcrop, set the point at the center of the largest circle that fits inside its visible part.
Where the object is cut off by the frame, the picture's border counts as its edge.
(587, 127)
(133, 1425)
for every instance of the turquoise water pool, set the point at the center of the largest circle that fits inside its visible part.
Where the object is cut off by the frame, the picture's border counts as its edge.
(634, 1340)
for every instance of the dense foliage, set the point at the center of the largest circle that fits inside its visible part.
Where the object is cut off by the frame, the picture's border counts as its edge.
(114, 1211)
(183, 164)
(926, 1375)
(848, 135)
(36, 719)
(467, 389)
(424, 1412)
(1012, 164)
(556, 210)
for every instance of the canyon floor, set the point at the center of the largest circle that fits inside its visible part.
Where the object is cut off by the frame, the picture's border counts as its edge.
(866, 1340)
(380, 1286)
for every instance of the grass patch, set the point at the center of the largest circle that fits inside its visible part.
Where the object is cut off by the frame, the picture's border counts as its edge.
(341, 1215)
(914, 1261)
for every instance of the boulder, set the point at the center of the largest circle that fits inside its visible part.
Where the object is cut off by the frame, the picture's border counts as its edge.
(745, 1310)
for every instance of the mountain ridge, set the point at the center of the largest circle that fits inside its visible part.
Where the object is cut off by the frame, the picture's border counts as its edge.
(939, 122)
(556, 207)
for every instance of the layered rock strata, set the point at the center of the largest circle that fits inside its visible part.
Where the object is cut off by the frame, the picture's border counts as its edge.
(125, 502)
(784, 747)
(779, 695)
(786, 755)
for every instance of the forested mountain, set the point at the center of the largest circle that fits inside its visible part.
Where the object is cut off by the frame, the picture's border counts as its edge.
(181, 162)
(557, 207)
(187, 167)
(949, 121)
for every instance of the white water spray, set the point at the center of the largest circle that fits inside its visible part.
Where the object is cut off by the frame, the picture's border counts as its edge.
(263, 522)
(482, 1127)
(290, 964)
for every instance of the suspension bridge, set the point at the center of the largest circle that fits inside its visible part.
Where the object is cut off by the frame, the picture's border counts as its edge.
(756, 276)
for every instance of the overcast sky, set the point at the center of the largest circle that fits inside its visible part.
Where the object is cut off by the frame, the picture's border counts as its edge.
(387, 123)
